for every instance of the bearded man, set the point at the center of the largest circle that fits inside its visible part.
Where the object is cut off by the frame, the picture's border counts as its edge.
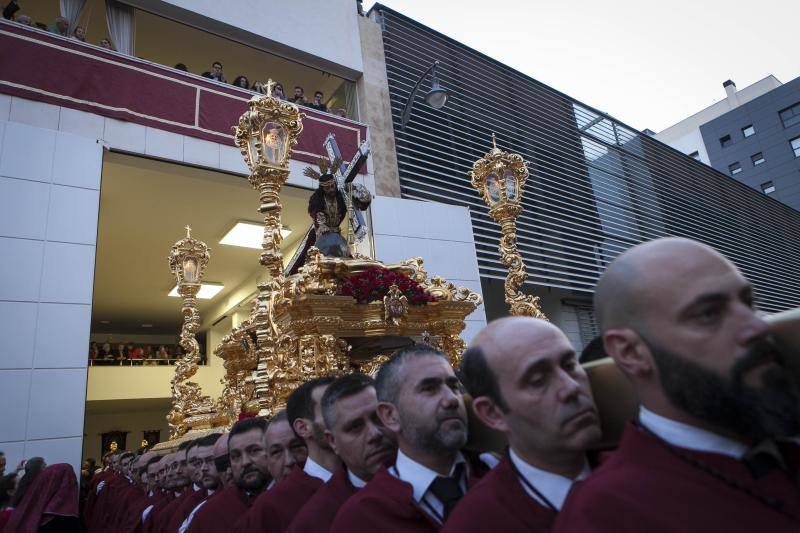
(717, 401)
(419, 401)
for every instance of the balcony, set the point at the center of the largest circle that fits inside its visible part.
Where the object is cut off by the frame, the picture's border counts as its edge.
(49, 68)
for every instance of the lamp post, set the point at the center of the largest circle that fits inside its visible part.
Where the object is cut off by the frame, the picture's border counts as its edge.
(266, 134)
(436, 97)
(499, 178)
(188, 259)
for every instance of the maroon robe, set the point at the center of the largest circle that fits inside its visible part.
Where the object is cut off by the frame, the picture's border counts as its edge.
(275, 509)
(221, 511)
(317, 515)
(645, 486)
(182, 512)
(499, 503)
(91, 498)
(387, 505)
(129, 515)
(107, 504)
(162, 519)
(150, 524)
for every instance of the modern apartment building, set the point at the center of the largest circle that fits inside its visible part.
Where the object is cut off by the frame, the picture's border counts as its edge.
(753, 135)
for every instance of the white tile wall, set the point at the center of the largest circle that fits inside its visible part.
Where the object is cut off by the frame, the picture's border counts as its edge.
(23, 208)
(61, 333)
(56, 403)
(200, 152)
(27, 152)
(5, 106)
(77, 162)
(125, 136)
(14, 388)
(49, 196)
(67, 273)
(57, 451)
(20, 269)
(230, 159)
(164, 144)
(81, 123)
(17, 329)
(38, 114)
(73, 215)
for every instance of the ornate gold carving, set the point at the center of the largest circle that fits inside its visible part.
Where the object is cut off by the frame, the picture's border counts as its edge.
(187, 261)
(395, 305)
(499, 177)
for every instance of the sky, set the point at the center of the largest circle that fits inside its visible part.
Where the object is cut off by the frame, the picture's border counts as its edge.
(647, 63)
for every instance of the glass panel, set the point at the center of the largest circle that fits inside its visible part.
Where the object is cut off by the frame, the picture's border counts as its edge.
(511, 185)
(190, 270)
(274, 143)
(493, 188)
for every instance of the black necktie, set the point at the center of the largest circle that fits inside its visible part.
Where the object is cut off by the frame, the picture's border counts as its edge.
(448, 489)
(764, 458)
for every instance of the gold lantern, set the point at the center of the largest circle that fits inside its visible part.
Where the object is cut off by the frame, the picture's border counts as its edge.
(499, 177)
(266, 135)
(188, 259)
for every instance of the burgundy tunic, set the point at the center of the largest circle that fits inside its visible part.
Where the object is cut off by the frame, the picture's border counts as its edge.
(499, 503)
(275, 509)
(182, 512)
(149, 525)
(162, 519)
(646, 487)
(317, 515)
(221, 511)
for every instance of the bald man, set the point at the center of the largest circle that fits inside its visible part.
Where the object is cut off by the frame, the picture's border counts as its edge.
(526, 383)
(716, 400)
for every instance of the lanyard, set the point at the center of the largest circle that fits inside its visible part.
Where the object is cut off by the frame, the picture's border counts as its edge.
(530, 486)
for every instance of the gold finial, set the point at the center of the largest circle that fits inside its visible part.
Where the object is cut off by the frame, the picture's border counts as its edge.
(188, 231)
(494, 142)
(269, 85)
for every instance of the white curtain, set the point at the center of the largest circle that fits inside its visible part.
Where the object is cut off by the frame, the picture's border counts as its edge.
(71, 10)
(121, 26)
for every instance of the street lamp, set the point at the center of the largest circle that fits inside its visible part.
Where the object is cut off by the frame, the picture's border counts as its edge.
(188, 259)
(436, 97)
(499, 178)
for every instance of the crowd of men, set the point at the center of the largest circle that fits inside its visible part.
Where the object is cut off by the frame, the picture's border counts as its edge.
(714, 446)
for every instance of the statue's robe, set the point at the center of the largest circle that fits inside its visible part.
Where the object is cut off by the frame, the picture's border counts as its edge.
(221, 511)
(275, 509)
(647, 486)
(317, 515)
(499, 502)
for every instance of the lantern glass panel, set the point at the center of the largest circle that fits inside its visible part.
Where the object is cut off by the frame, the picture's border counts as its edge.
(190, 270)
(511, 185)
(274, 143)
(252, 151)
(493, 188)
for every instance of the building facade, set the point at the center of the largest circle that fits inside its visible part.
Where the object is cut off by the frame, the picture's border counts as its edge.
(753, 136)
(596, 186)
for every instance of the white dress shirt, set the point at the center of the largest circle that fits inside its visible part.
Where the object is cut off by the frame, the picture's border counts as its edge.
(552, 486)
(690, 437)
(314, 469)
(356, 481)
(420, 478)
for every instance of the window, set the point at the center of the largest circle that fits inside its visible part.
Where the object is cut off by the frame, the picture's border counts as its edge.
(695, 155)
(757, 159)
(795, 146)
(725, 141)
(734, 168)
(767, 187)
(747, 131)
(791, 115)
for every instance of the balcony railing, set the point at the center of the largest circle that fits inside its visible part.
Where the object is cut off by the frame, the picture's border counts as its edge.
(136, 362)
(42, 66)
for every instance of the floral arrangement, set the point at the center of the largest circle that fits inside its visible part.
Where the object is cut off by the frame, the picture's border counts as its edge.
(373, 284)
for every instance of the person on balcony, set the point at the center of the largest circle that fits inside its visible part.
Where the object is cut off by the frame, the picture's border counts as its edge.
(215, 73)
(79, 34)
(277, 92)
(318, 104)
(299, 96)
(106, 43)
(121, 355)
(162, 356)
(60, 27)
(242, 82)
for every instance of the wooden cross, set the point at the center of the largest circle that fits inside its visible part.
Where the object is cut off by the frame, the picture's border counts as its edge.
(188, 231)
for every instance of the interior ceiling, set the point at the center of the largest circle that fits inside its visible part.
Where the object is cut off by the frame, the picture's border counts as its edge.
(144, 206)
